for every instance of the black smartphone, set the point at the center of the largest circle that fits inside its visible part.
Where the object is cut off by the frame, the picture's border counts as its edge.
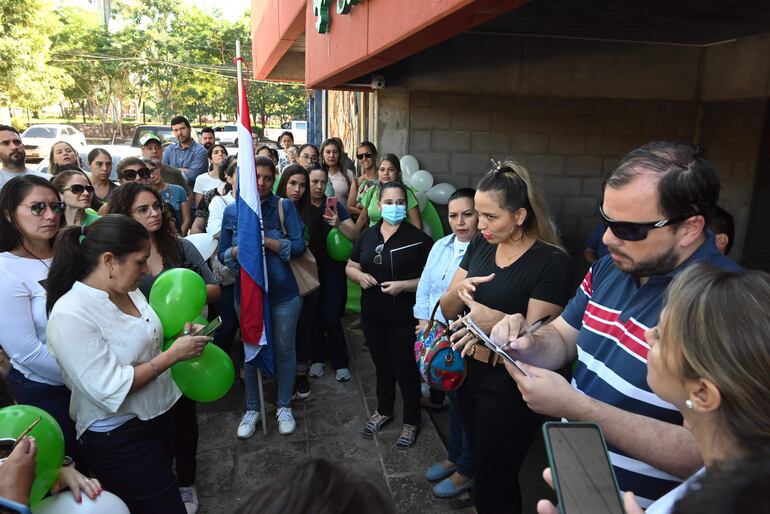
(580, 466)
(210, 327)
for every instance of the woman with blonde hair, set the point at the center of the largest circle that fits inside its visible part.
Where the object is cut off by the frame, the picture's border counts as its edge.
(516, 264)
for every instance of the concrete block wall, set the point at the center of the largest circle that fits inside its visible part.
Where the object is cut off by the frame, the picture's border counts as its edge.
(567, 144)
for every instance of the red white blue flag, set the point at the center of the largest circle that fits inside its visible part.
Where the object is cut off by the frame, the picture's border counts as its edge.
(255, 310)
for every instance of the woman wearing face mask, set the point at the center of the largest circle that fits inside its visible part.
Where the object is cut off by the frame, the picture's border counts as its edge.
(443, 261)
(107, 340)
(387, 260)
(708, 358)
(339, 177)
(100, 164)
(77, 194)
(514, 265)
(367, 158)
(388, 170)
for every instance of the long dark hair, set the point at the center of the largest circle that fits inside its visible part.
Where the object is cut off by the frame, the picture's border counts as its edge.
(75, 258)
(288, 172)
(54, 169)
(393, 159)
(165, 238)
(11, 196)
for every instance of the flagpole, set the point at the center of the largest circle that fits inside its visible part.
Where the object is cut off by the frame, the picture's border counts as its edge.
(239, 75)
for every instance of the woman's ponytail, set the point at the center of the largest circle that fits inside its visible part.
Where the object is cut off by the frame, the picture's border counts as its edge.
(68, 265)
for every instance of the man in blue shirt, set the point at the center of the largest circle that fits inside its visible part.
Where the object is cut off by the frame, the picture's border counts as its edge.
(186, 155)
(657, 205)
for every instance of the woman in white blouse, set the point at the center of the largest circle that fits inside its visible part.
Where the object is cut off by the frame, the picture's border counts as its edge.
(107, 340)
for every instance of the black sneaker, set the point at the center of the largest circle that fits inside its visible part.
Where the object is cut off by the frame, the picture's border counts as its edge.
(302, 386)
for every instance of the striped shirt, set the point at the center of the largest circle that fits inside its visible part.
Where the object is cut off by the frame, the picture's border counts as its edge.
(612, 311)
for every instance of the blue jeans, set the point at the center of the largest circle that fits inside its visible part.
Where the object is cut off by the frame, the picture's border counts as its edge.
(458, 448)
(284, 317)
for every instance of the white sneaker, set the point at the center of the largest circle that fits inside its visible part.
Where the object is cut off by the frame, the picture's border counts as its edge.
(343, 375)
(317, 369)
(248, 424)
(190, 499)
(286, 423)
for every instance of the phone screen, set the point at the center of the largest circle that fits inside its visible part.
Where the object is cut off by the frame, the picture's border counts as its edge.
(210, 327)
(579, 460)
(331, 205)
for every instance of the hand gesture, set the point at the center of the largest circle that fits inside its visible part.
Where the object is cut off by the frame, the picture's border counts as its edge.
(18, 472)
(505, 334)
(393, 287)
(332, 218)
(467, 288)
(70, 478)
(462, 338)
(365, 280)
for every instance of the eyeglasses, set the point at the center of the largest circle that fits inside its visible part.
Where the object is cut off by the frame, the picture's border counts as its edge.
(378, 250)
(362, 156)
(144, 210)
(38, 208)
(632, 231)
(78, 189)
(311, 158)
(131, 174)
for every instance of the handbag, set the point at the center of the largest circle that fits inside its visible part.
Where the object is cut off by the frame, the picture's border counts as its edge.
(304, 267)
(440, 367)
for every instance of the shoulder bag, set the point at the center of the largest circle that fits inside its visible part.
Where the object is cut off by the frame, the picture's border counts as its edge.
(440, 367)
(304, 267)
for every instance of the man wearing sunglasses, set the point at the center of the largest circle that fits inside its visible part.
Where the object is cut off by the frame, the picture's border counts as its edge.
(656, 208)
(13, 157)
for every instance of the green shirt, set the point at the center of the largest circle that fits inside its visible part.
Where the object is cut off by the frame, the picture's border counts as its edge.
(370, 202)
(89, 216)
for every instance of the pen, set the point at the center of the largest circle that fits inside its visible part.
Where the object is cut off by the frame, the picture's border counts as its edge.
(531, 330)
(26, 431)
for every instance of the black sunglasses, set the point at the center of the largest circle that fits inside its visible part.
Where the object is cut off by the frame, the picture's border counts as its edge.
(38, 208)
(363, 156)
(131, 174)
(632, 231)
(378, 250)
(78, 189)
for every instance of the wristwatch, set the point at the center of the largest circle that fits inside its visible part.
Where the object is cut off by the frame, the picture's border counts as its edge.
(67, 461)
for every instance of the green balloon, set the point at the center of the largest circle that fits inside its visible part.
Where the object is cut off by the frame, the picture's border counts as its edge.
(200, 320)
(430, 218)
(205, 378)
(177, 296)
(354, 298)
(49, 441)
(338, 246)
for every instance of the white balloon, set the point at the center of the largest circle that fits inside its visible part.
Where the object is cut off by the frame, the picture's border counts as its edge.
(406, 177)
(422, 199)
(440, 193)
(204, 243)
(409, 164)
(64, 503)
(422, 181)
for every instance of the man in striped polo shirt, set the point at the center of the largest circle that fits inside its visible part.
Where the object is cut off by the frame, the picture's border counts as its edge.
(657, 205)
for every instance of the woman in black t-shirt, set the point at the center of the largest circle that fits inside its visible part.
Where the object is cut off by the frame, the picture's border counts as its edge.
(387, 261)
(515, 264)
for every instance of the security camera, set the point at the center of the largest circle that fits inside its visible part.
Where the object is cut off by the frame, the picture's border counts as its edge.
(378, 82)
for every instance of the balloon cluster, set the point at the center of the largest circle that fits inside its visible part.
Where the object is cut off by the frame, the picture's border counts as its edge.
(422, 182)
(178, 296)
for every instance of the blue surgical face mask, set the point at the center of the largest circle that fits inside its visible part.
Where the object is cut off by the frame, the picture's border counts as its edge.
(393, 214)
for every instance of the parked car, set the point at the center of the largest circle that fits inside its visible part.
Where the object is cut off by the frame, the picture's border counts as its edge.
(38, 139)
(298, 129)
(164, 132)
(226, 134)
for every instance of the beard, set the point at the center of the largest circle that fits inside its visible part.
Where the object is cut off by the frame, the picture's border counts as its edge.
(17, 158)
(656, 265)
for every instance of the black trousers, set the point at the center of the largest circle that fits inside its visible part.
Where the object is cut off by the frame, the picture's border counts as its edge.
(307, 331)
(134, 462)
(185, 441)
(392, 350)
(330, 338)
(500, 430)
(225, 307)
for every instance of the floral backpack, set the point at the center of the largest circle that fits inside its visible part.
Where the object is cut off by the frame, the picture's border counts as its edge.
(440, 367)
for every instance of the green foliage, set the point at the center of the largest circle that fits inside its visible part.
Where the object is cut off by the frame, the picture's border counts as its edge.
(162, 56)
(18, 124)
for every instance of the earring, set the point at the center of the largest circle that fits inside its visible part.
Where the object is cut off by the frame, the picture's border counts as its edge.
(516, 227)
(688, 404)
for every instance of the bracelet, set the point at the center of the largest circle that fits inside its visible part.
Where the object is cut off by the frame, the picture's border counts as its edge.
(67, 461)
(154, 368)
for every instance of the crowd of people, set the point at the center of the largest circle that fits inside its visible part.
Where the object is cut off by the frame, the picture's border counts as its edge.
(667, 338)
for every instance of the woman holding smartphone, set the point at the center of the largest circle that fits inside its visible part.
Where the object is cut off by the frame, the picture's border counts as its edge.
(386, 262)
(107, 340)
(514, 265)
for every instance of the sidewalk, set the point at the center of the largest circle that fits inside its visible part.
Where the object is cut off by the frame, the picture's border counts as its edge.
(329, 425)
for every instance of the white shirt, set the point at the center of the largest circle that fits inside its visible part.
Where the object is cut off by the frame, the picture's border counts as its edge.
(97, 346)
(6, 175)
(216, 213)
(205, 182)
(341, 185)
(665, 503)
(22, 303)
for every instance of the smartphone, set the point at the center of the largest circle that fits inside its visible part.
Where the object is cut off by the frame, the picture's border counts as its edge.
(210, 327)
(331, 205)
(580, 466)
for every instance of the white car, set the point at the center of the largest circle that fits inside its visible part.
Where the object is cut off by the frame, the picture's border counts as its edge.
(298, 129)
(226, 134)
(38, 139)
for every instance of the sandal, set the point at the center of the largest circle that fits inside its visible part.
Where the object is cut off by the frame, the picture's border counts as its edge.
(407, 438)
(376, 422)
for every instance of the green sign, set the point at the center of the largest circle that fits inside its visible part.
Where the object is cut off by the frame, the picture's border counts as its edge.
(321, 12)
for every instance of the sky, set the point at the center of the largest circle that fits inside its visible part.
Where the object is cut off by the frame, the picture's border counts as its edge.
(229, 10)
